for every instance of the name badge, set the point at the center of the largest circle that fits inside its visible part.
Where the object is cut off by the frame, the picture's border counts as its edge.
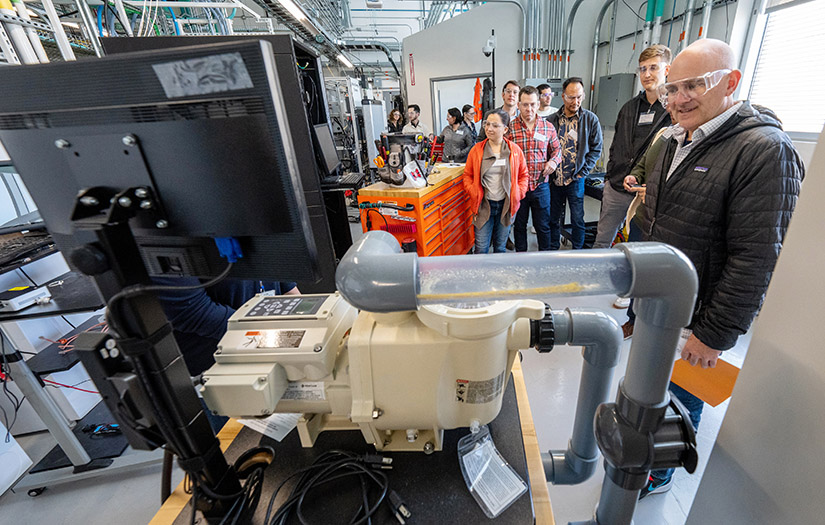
(500, 162)
(539, 137)
(459, 132)
(646, 119)
(573, 134)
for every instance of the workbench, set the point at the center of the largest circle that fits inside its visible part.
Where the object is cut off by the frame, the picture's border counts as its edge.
(439, 498)
(440, 221)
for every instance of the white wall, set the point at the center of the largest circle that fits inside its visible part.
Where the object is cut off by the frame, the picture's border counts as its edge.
(453, 48)
(768, 461)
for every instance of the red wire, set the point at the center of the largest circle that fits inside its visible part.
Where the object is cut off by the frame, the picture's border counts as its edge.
(70, 386)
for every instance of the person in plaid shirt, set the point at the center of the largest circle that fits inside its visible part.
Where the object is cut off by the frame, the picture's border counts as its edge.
(538, 140)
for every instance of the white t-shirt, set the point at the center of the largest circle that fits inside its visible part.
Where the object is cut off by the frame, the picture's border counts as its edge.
(420, 128)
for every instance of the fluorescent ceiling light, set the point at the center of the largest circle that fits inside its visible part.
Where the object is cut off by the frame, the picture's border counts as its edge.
(342, 59)
(293, 9)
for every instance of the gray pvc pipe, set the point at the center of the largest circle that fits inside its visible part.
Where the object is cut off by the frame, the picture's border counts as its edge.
(613, 16)
(569, 35)
(374, 275)
(596, 51)
(601, 337)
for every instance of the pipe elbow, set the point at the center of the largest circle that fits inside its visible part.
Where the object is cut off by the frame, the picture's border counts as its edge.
(375, 276)
(664, 274)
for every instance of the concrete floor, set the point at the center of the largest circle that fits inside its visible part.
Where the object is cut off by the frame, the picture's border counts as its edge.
(552, 384)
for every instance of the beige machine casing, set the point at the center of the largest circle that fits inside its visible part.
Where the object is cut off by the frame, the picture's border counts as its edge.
(400, 378)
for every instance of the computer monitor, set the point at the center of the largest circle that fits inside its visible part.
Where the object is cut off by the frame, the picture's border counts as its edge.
(204, 127)
(326, 149)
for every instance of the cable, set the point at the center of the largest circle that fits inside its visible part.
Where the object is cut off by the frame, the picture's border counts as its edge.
(338, 465)
(386, 224)
(633, 10)
(141, 289)
(55, 383)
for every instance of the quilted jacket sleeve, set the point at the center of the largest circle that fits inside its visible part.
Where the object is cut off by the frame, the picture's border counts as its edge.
(762, 197)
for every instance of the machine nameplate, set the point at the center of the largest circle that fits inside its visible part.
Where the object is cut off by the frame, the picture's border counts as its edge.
(305, 391)
(476, 392)
(274, 338)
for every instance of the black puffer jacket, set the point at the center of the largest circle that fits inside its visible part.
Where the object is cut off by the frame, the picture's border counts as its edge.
(727, 207)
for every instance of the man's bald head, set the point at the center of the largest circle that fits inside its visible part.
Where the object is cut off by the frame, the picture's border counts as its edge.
(714, 54)
(698, 59)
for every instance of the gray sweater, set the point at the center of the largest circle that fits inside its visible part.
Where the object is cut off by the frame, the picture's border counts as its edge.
(457, 144)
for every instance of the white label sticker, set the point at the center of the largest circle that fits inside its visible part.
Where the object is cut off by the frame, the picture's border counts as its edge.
(646, 118)
(274, 338)
(459, 132)
(477, 392)
(276, 426)
(199, 76)
(573, 134)
(494, 483)
(499, 162)
(305, 391)
(539, 137)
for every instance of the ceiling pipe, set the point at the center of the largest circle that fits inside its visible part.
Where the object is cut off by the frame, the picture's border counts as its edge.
(657, 21)
(687, 21)
(372, 46)
(524, 26)
(596, 51)
(706, 9)
(648, 27)
(614, 13)
(569, 35)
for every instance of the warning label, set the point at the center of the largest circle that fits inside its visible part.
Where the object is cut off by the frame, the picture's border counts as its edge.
(274, 338)
(477, 392)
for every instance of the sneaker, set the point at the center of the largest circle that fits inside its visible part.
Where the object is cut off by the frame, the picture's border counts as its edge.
(627, 330)
(510, 245)
(621, 303)
(655, 486)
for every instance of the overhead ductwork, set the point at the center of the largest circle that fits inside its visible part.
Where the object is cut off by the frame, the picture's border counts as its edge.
(371, 46)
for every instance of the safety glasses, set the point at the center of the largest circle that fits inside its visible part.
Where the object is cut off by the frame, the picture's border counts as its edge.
(691, 88)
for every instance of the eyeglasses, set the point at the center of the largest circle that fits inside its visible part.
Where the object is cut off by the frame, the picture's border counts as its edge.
(494, 125)
(571, 99)
(691, 87)
(653, 68)
(546, 95)
(511, 92)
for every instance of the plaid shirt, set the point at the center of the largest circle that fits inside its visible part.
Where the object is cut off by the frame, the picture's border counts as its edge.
(536, 151)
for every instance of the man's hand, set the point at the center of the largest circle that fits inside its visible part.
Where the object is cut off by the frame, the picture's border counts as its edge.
(695, 351)
(549, 167)
(629, 182)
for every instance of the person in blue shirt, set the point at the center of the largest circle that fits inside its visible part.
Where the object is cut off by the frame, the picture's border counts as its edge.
(199, 317)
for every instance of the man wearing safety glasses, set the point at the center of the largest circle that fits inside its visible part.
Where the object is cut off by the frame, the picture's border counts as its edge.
(722, 189)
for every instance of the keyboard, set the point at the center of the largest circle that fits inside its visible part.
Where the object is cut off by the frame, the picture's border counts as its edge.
(27, 245)
(349, 180)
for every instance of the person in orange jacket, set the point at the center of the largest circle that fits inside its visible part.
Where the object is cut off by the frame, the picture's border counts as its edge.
(495, 178)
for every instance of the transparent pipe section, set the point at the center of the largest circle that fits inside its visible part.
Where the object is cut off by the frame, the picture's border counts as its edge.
(498, 277)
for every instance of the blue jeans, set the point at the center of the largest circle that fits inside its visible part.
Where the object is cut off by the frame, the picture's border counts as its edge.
(492, 231)
(537, 200)
(573, 193)
(694, 407)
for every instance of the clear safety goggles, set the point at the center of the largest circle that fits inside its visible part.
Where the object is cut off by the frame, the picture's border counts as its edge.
(691, 88)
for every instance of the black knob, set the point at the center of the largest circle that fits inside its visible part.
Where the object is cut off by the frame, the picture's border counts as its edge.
(543, 332)
(90, 259)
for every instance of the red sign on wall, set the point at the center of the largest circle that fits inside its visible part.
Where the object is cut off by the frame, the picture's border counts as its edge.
(412, 71)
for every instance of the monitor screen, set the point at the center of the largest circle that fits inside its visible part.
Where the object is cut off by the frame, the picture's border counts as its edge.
(326, 147)
(205, 128)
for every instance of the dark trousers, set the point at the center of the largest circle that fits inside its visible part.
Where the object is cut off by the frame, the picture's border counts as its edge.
(694, 407)
(538, 201)
(573, 195)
